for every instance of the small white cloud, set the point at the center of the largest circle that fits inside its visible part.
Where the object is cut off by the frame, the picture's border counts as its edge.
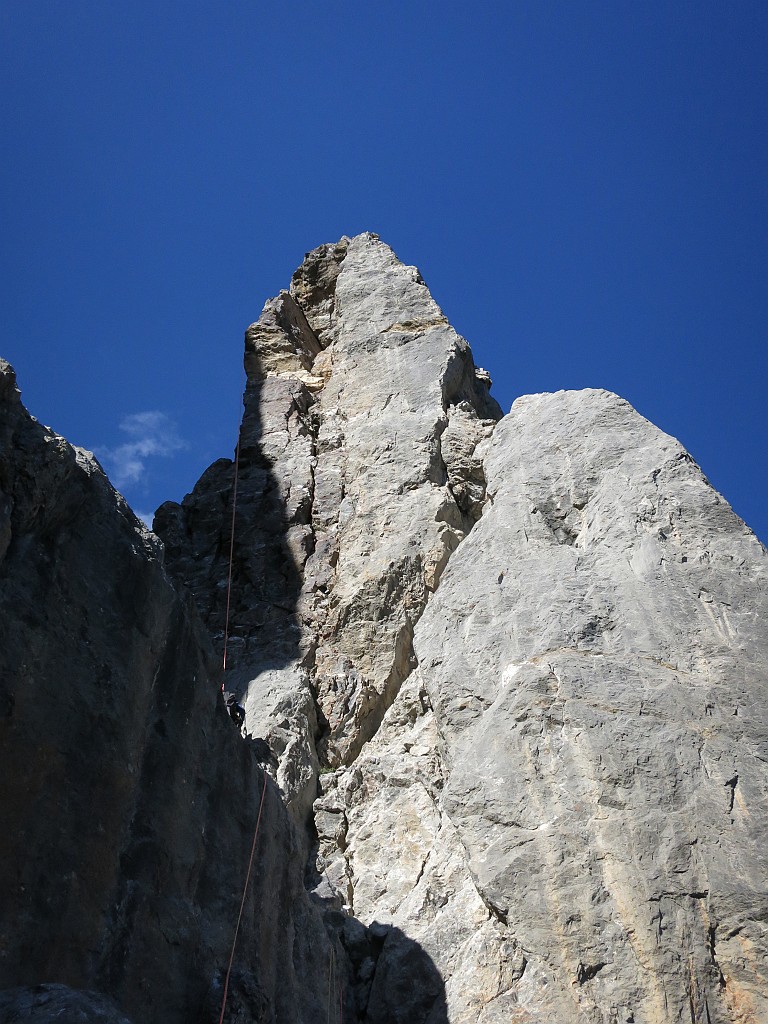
(152, 434)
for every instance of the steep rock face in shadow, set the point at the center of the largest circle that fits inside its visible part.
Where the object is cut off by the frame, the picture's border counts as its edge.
(128, 797)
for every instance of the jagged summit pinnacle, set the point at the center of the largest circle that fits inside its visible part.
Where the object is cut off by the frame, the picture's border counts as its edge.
(504, 685)
(368, 408)
(344, 292)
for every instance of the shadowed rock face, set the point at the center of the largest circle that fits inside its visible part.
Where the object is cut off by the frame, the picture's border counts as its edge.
(45, 1003)
(529, 655)
(128, 797)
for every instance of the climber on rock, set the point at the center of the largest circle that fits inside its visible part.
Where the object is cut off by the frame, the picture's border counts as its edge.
(235, 709)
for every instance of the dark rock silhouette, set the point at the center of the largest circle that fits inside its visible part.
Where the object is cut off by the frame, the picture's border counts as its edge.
(129, 797)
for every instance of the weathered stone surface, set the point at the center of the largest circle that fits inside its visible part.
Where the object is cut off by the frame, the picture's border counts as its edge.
(530, 657)
(402, 866)
(313, 286)
(602, 577)
(347, 510)
(389, 521)
(596, 659)
(128, 798)
(368, 429)
(46, 1003)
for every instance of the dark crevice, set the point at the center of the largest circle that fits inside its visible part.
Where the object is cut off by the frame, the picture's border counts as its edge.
(496, 912)
(732, 784)
(585, 972)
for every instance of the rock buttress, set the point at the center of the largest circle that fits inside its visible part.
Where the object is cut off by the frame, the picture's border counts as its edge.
(363, 414)
(596, 661)
(545, 774)
(129, 799)
(363, 410)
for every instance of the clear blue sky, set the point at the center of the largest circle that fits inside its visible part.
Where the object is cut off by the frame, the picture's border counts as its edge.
(582, 184)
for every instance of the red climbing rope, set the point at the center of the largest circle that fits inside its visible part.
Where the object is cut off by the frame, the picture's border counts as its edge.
(242, 901)
(331, 982)
(231, 557)
(264, 776)
(335, 997)
(332, 979)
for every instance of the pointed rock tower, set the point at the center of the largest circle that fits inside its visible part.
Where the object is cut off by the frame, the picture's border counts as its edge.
(505, 677)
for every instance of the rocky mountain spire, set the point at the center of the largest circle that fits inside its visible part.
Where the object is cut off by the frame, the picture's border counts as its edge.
(363, 410)
(505, 677)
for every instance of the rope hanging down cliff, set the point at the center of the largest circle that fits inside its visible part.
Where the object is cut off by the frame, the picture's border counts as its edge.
(242, 901)
(231, 705)
(231, 555)
(234, 707)
(335, 991)
(236, 711)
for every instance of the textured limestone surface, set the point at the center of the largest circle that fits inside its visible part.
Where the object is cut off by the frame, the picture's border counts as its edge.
(349, 501)
(128, 797)
(387, 844)
(537, 744)
(596, 660)
(507, 681)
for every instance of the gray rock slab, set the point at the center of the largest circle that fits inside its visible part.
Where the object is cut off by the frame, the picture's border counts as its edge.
(596, 656)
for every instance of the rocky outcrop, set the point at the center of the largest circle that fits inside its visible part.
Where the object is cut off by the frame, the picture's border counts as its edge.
(349, 501)
(529, 768)
(506, 680)
(574, 779)
(129, 798)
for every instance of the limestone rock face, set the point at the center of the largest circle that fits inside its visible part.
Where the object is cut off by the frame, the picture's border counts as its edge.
(347, 510)
(387, 518)
(596, 661)
(537, 730)
(388, 845)
(504, 680)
